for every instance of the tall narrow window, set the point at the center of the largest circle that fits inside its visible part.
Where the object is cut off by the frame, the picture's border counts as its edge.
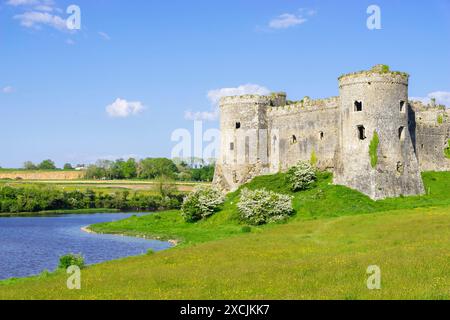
(401, 133)
(238, 125)
(402, 106)
(294, 139)
(232, 146)
(361, 133)
(321, 135)
(358, 106)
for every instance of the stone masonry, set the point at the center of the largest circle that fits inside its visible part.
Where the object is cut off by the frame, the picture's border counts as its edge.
(268, 134)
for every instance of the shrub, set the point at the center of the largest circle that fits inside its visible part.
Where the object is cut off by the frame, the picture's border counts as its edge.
(261, 206)
(301, 176)
(201, 203)
(71, 260)
(373, 150)
(440, 119)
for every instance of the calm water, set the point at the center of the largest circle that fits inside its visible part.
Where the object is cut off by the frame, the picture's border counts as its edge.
(29, 245)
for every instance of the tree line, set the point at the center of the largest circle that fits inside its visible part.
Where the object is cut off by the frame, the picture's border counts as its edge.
(36, 199)
(148, 169)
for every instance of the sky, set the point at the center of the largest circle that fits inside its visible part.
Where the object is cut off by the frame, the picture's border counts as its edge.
(138, 70)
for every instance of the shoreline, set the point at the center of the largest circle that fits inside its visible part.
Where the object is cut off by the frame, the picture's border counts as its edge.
(173, 242)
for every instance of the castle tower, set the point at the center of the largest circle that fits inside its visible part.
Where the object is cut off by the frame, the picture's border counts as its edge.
(244, 147)
(375, 154)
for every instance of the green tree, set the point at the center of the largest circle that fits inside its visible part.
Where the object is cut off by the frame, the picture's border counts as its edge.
(28, 165)
(151, 168)
(68, 166)
(47, 165)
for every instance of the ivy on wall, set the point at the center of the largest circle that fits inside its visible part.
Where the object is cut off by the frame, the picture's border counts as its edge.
(373, 149)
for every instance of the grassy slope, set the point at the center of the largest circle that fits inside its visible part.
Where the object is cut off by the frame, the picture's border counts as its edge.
(322, 253)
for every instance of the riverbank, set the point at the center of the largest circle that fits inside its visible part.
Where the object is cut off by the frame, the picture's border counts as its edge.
(87, 229)
(58, 212)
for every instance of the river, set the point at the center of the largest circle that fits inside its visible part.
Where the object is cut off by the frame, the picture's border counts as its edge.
(30, 245)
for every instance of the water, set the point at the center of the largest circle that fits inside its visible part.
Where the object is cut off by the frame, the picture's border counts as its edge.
(30, 245)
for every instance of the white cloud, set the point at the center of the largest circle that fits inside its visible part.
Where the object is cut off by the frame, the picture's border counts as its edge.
(286, 20)
(8, 89)
(215, 95)
(38, 13)
(442, 97)
(35, 19)
(16, 3)
(104, 35)
(122, 108)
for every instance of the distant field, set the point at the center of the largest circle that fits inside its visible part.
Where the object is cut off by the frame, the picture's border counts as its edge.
(101, 185)
(40, 174)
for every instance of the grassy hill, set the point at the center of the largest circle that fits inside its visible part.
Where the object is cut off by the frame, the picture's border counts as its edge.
(322, 252)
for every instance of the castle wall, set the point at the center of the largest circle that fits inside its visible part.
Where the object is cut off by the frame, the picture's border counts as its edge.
(375, 102)
(267, 134)
(432, 136)
(298, 131)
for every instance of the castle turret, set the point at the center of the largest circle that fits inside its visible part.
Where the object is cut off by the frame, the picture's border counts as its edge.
(244, 148)
(376, 154)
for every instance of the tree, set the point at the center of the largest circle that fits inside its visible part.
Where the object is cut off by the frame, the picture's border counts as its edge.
(68, 166)
(151, 168)
(47, 165)
(28, 165)
(129, 169)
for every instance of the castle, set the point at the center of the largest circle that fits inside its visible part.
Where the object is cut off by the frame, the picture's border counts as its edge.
(371, 137)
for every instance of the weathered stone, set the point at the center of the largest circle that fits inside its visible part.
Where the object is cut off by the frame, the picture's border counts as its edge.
(267, 134)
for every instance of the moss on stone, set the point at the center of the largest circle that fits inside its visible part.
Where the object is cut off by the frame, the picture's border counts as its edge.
(440, 119)
(313, 159)
(447, 151)
(373, 149)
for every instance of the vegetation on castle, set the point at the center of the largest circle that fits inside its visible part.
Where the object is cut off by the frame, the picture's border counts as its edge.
(373, 149)
(440, 119)
(447, 151)
(313, 161)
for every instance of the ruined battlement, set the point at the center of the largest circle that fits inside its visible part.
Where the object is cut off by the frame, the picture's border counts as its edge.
(268, 134)
(305, 106)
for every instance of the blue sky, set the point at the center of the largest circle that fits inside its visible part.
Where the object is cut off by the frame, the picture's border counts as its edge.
(162, 58)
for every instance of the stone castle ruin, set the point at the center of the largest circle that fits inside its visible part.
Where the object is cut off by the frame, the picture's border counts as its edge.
(371, 137)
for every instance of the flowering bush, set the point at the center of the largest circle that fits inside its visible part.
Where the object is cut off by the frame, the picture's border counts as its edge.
(201, 203)
(301, 176)
(262, 206)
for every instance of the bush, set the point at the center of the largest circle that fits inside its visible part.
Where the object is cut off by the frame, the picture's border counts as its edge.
(261, 206)
(71, 260)
(302, 176)
(201, 203)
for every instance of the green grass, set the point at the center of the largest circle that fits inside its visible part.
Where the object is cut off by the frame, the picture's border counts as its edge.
(322, 252)
(314, 259)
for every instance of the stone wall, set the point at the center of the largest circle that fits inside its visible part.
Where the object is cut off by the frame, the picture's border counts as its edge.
(269, 134)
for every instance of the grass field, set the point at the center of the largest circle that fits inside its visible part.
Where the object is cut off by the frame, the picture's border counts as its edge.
(323, 252)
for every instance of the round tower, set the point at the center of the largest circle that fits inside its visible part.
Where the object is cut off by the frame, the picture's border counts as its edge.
(376, 154)
(243, 151)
